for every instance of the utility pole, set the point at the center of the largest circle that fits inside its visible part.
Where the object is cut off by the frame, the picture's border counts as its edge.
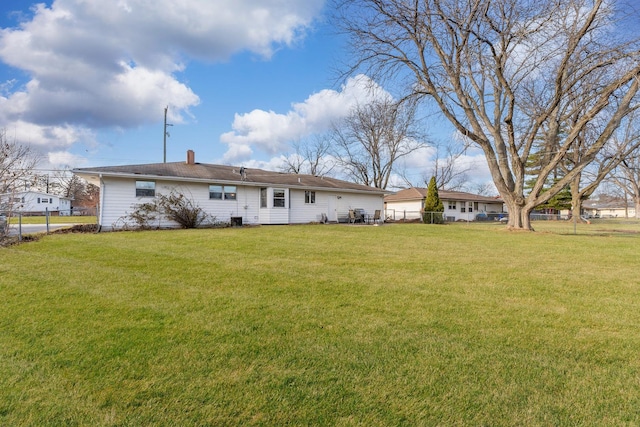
(166, 134)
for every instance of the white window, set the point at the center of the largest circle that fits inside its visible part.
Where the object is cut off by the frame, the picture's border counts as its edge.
(222, 192)
(278, 198)
(145, 188)
(263, 197)
(470, 206)
(452, 205)
(310, 197)
(230, 192)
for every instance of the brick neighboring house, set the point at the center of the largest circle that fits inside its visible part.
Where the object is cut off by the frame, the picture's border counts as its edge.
(408, 204)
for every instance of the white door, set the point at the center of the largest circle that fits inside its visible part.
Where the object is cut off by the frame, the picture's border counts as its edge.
(332, 214)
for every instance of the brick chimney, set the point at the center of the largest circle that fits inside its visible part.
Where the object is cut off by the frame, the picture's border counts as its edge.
(191, 157)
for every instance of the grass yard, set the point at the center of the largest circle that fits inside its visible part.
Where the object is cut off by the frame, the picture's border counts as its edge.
(76, 219)
(321, 325)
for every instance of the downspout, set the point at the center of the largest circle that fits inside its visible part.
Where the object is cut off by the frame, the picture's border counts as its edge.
(101, 204)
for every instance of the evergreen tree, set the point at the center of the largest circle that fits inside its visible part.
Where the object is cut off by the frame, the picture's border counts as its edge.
(433, 206)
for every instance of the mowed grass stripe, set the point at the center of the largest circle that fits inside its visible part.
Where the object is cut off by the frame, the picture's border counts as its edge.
(320, 325)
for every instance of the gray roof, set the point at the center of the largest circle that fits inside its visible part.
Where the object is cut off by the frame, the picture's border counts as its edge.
(417, 193)
(604, 202)
(202, 172)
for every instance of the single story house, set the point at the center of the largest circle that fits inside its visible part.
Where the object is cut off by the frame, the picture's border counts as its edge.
(34, 202)
(233, 194)
(408, 204)
(608, 207)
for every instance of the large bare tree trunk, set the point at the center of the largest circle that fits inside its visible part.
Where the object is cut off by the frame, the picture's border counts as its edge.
(576, 200)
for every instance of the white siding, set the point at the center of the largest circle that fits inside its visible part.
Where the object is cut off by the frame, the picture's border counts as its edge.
(245, 205)
(31, 201)
(369, 202)
(409, 209)
(302, 213)
(118, 199)
(478, 207)
(271, 214)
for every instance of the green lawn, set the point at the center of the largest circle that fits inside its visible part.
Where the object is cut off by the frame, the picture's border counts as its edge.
(76, 219)
(321, 325)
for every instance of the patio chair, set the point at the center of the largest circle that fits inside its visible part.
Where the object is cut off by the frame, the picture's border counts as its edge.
(352, 216)
(377, 217)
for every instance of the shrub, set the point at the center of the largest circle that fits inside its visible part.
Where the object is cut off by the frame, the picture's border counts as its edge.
(433, 206)
(174, 206)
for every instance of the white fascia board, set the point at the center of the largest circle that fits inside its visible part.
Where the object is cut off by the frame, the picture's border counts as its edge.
(97, 174)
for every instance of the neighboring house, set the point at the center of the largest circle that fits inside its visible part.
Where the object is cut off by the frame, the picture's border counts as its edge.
(36, 203)
(608, 207)
(229, 193)
(409, 203)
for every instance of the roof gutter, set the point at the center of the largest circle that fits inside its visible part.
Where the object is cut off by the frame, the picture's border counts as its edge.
(221, 181)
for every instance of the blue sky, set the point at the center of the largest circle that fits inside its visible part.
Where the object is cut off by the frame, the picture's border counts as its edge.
(85, 82)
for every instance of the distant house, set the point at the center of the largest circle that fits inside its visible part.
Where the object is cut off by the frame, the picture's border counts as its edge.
(230, 193)
(608, 207)
(409, 203)
(37, 203)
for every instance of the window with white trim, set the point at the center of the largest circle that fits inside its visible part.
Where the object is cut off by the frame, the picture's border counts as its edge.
(310, 197)
(452, 205)
(222, 192)
(145, 188)
(278, 198)
(263, 197)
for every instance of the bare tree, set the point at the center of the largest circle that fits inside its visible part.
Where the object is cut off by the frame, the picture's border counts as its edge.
(448, 171)
(42, 182)
(67, 184)
(484, 189)
(621, 150)
(16, 164)
(509, 75)
(626, 175)
(310, 156)
(373, 137)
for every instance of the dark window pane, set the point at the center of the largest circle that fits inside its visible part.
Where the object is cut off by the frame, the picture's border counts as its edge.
(145, 188)
(215, 192)
(230, 192)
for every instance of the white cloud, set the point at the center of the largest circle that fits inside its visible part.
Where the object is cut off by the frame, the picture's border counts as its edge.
(271, 132)
(64, 159)
(44, 138)
(94, 64)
